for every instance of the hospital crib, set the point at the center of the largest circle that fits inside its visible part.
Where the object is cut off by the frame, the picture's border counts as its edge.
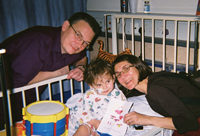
(60, 81)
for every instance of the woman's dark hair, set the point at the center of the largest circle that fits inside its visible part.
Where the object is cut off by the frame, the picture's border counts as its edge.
(90, 20)
(95, 69)
(141, 66)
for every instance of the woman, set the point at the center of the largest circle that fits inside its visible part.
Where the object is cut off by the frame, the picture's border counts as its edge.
(172, 95)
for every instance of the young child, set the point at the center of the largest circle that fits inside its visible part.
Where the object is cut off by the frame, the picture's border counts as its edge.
(88, 112)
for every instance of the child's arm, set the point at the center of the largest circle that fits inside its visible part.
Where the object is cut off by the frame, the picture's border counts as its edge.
(94, 123)
(87, 129)
(83, 130)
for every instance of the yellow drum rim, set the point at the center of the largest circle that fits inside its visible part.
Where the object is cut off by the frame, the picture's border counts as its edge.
(47, 118)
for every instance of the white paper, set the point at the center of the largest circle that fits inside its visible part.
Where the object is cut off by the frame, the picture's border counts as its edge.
(112, 122)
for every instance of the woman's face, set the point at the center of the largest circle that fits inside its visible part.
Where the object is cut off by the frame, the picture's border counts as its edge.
(126, 74)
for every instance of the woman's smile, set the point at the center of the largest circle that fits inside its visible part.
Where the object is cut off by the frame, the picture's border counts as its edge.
(129, 80)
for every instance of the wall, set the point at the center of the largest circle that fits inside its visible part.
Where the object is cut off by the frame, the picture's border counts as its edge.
(156, 6)
(98, 8)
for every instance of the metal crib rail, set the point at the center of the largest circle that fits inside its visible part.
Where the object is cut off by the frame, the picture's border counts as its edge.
(153, 17)
(47, 82)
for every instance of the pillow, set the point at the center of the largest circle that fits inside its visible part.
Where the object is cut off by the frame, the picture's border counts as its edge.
(108, 56)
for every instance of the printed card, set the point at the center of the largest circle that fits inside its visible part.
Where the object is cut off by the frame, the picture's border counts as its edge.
(112, 122)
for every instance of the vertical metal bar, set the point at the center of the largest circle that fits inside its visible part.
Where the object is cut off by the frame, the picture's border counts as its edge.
(106, 33)
(23, 98)
(175, 44)
(164, 49)
(61, 91)
(50, 94)
(123, 33)
(198, 52)
(133, 38)
(199, 59)
(82, 86)
(187, 48)
(164, 44)
(9, 107)
(153, 45)
(114, 34)
(196, 45)
(37, 93)
(4, 90)
(71, 85)
(143, 26)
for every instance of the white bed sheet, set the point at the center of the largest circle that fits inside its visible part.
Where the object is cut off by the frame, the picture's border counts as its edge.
(140, 105)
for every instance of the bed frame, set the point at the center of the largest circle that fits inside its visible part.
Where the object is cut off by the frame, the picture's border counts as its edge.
(191, 64)
(153, 47)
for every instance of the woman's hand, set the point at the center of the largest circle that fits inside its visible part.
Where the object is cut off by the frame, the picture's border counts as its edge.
(135, 118)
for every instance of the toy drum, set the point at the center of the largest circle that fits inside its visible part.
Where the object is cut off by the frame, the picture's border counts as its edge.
(46, 118)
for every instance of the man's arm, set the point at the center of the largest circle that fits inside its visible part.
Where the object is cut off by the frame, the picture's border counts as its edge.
(83, 61)
(77, 72)
(47, 75)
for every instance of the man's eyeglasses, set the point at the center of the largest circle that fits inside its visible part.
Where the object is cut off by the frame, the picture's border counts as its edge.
(79, 37)
(125, 69)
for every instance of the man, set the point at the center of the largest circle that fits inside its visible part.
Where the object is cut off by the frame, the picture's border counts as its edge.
(44, 52)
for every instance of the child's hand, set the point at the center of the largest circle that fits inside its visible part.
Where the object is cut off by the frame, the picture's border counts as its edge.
(95, 123)
(95, 134)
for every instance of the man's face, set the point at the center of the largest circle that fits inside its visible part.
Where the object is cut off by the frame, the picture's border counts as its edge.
(69, 42)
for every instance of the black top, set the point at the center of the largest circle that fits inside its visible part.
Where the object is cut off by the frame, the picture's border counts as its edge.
(132, 93)
(174, 95)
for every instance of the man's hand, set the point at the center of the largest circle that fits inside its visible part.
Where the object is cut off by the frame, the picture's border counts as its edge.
(76, 73)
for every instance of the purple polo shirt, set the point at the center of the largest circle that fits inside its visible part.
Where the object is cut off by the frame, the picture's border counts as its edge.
(37, 49)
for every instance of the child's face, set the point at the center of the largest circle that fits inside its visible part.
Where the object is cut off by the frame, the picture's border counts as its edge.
(104, 84)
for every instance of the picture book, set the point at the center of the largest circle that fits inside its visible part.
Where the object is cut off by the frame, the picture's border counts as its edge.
(112, 123)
